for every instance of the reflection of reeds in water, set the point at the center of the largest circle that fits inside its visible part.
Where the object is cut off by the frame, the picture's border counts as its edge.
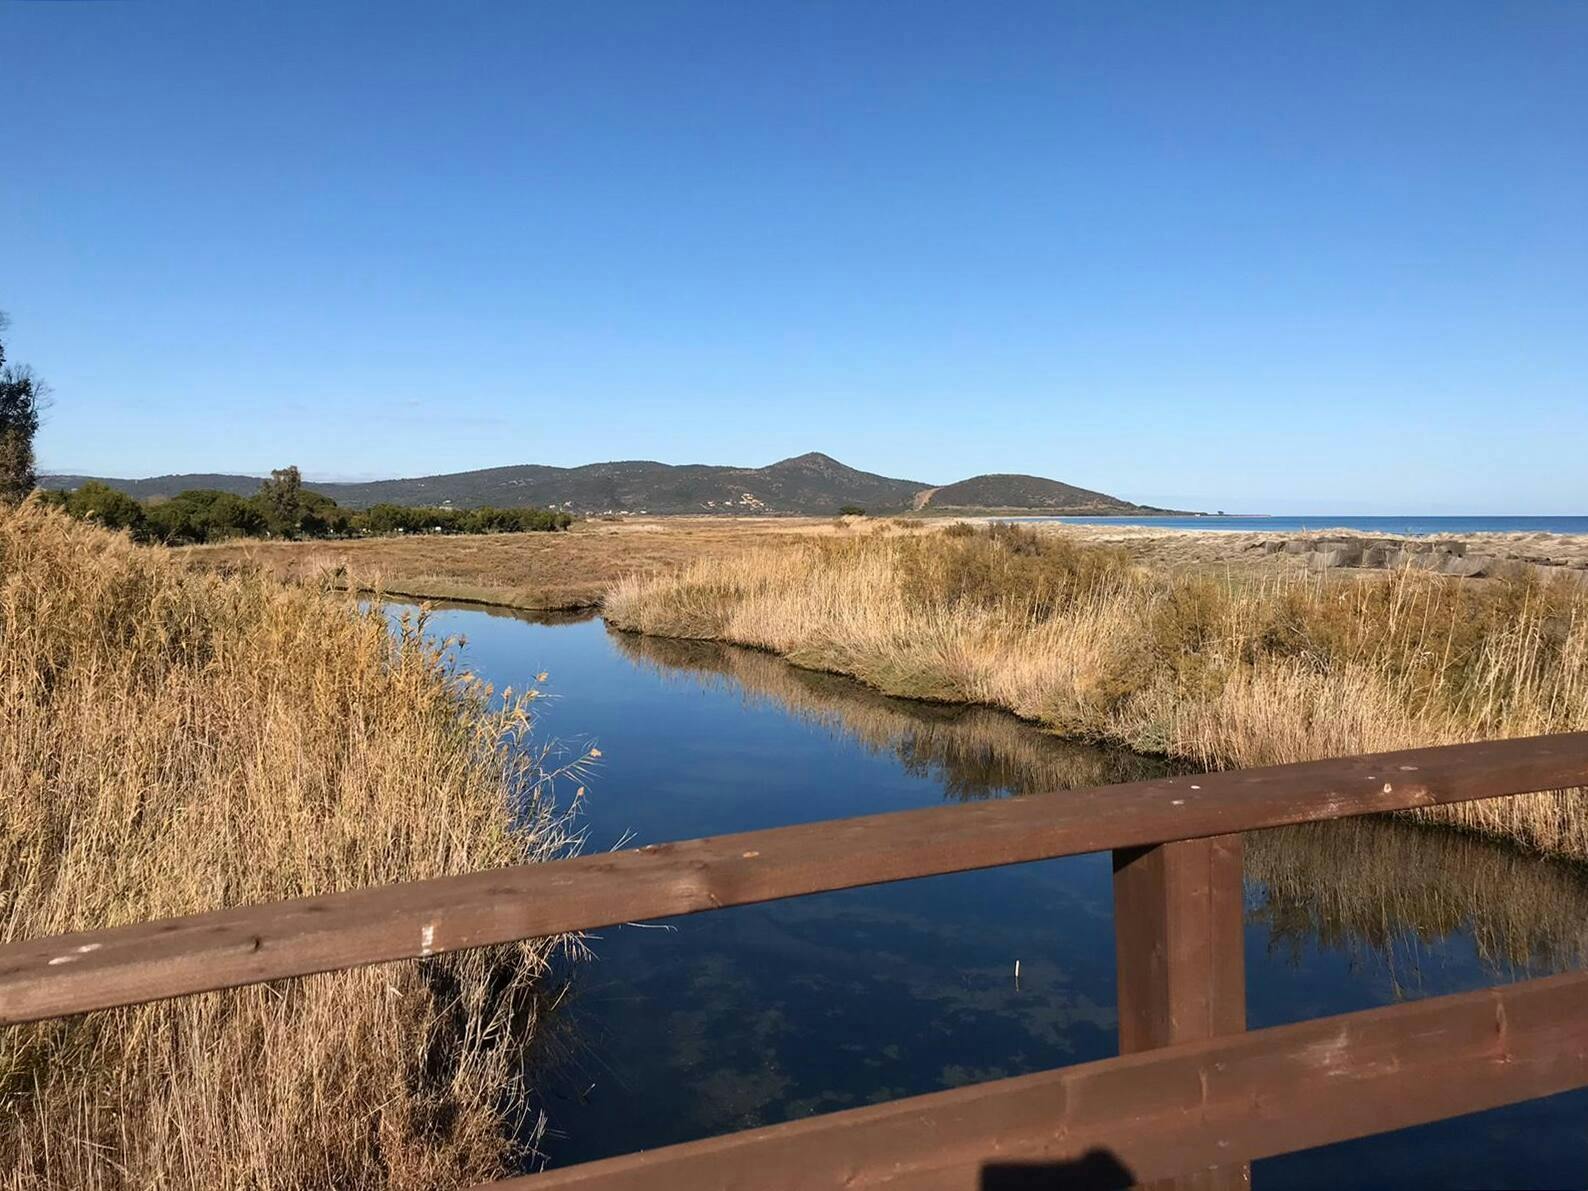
(1375, 885)
(975, 752)
(1385, 885)
(1221, 674)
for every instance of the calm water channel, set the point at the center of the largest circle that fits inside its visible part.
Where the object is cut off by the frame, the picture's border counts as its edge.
(760, 1014)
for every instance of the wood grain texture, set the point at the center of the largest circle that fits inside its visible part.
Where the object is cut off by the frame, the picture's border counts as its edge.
(127, 965)
(1158, 1114)
(1180, 955)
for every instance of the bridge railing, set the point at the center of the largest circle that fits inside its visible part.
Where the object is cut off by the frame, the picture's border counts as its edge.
(1193, 1095)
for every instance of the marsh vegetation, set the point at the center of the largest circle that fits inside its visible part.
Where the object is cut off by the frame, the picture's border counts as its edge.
(174, 738)
(536, 572)
(173, 741)
(1218, 672)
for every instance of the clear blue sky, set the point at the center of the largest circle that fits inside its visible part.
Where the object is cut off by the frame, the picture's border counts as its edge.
(1270, 257)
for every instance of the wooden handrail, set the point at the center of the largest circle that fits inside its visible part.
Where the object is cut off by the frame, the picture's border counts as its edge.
(68, 974)
(1200, 1094)
(1157, 1114)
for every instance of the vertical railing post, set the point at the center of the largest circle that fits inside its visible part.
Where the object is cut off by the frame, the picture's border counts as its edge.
(1178, 930)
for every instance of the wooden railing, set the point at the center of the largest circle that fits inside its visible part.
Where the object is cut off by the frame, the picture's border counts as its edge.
(1193, 1096)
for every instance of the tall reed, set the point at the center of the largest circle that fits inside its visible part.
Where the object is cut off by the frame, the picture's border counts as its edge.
(173, 741)
(1232, 673)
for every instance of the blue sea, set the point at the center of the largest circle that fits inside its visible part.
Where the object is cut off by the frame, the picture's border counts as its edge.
(1411, 525)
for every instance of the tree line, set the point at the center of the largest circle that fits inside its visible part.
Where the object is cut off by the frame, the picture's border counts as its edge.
(282, 508)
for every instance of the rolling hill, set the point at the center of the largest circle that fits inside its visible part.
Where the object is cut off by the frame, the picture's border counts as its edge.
(1025, 493)
(812, 484)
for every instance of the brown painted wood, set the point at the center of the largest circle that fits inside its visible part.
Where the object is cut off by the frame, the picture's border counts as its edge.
(1157, 1114)
(1180, 956)
(1180, 949)
(130, 964)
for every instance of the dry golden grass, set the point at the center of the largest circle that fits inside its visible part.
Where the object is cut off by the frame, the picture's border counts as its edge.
(1366, 885)
(1220, 674)
(173, 741)
(536, 571)
(1370, 886)
(573, 570)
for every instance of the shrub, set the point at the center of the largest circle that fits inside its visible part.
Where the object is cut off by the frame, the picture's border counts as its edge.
(105, 506)
(203, 515)
(284, 509)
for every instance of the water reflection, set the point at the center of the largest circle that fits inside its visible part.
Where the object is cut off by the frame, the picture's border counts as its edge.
(1379, 885)
(1388, 888)
(972, 752)
(765, 1013)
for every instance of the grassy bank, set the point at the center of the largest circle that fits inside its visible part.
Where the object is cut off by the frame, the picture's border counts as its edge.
(1220, 673)
(536, 572)
(174, 741)
(1368, 887)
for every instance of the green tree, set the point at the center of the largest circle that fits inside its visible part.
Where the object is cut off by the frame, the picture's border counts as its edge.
(203, 515)
(102, 503)
(319, 516)
(21, 400)
(280, 499)
(389, 518)
(231, 517)
(174, 522)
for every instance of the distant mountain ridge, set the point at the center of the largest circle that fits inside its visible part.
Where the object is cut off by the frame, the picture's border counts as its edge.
(811, 484)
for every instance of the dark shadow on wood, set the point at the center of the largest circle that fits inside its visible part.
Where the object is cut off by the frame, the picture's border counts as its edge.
(1096, 1170)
